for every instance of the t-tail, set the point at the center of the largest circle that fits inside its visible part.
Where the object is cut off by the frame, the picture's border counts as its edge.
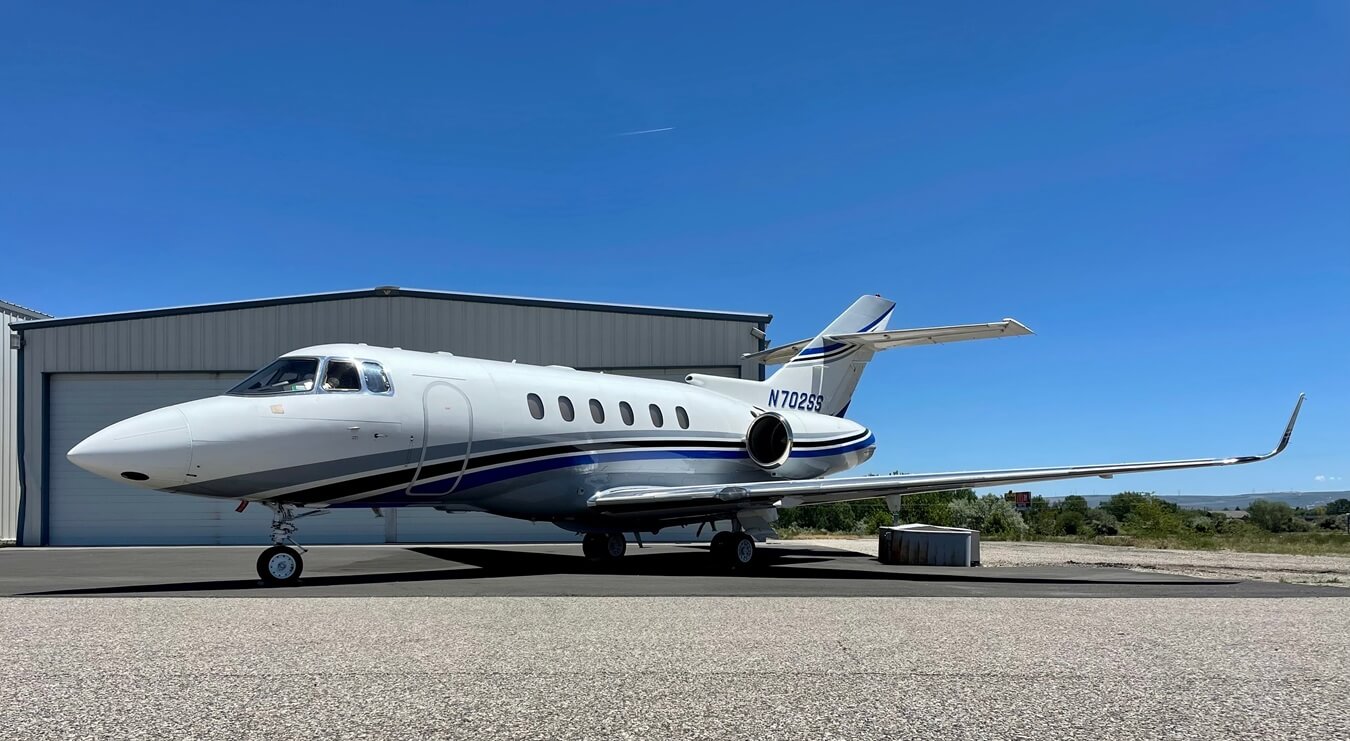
(820, 374)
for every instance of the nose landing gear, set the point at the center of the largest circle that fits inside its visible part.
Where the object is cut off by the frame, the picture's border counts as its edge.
(281, 564)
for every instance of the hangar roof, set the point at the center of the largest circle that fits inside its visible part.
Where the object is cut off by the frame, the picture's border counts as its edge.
(384, 292)
(22, 311)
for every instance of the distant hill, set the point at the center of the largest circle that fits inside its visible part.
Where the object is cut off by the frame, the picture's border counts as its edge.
(1241, 501)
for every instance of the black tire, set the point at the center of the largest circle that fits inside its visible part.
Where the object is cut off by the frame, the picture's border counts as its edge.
(593, 546)
(721, 543)
(733, 551)
(276, 570)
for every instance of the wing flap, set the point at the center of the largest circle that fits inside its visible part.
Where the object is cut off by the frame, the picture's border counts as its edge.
(651, 501)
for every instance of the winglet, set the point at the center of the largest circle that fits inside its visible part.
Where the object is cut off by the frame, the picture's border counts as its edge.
(1289, 429)
(1284, 440)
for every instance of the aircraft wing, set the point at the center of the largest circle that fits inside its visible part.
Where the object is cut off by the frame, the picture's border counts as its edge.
(890, 338)
(674, 502)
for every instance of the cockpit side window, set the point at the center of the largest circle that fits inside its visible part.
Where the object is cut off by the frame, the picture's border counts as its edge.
(341, 375)
(377, 381)
(285, 376)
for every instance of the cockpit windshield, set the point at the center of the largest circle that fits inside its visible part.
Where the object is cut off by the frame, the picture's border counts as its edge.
(285, 376)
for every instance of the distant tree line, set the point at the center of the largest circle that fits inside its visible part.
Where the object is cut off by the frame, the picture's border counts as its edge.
(1139, 514)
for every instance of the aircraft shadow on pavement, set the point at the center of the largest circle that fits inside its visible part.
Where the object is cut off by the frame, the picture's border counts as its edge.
(687, 561)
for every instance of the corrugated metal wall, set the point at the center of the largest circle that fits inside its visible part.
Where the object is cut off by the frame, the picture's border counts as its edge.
(9, 438)
(244, 339)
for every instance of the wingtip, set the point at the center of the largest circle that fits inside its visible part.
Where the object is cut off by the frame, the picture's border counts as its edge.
(1289, 428)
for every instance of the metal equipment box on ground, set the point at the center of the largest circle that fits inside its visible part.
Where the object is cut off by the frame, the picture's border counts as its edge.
(928, 545)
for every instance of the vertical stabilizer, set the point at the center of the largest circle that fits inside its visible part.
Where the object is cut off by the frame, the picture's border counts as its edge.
(821, 377)
(820, 374)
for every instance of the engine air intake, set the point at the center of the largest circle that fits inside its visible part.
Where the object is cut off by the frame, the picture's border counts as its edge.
(769, 441)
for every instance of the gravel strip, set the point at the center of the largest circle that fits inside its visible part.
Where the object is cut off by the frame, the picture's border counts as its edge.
(680, 667)
(1320, 570)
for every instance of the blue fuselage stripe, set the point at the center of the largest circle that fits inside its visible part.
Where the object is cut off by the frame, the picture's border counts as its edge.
(474, 479)
(866, 442)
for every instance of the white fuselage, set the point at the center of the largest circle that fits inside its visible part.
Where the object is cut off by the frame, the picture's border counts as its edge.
(460, 434)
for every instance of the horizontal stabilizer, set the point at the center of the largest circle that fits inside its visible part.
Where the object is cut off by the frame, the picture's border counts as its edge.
(893, 338)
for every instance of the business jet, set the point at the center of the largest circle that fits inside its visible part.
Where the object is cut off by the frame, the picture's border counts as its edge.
(349, 425)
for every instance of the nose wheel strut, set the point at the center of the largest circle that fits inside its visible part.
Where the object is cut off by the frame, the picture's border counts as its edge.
(281, 564)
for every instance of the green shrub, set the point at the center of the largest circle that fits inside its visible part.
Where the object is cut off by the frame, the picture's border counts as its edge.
(1152, 516)
(1073, 522)
(1100, 523)
(876, 521)
(1274, 517)
(991, 515)
(1074, 503)
(1201, 523)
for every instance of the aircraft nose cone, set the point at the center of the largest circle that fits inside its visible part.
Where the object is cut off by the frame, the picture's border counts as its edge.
(151, 450)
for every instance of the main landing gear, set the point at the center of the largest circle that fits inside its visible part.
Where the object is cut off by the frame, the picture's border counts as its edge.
(734, 551)
(280, 565)
(604, 547)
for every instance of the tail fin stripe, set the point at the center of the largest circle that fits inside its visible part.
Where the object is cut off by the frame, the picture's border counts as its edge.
(833, 346)
(822, 349)
(877, 321)
(843, 352)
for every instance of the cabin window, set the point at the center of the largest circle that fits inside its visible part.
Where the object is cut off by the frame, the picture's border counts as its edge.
(377, 381)
(565, 407)
(341, 375)
(536, 406)
(682, 417)
(626, 412)
(597, 411)
(285, 376)
(657, 419)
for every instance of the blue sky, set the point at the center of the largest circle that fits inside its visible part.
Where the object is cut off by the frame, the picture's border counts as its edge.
(1160, 190)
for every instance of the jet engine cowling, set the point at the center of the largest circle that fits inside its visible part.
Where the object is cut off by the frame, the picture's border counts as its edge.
(769, 441)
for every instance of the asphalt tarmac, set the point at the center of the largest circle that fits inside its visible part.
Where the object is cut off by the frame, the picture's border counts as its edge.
(662, 570)
(480, 668)
(479, 642)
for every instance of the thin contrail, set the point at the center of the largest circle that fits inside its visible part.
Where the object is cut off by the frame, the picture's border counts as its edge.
(646, 131)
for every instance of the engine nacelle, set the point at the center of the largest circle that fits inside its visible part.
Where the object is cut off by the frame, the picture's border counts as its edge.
(769, 441)
(804, 445)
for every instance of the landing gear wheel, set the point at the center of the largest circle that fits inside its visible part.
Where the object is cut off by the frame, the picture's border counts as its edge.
(280, 566)
(593, 546)
(734, 551)
(742, 551)
(604, 546)
(721, 543)
(615, 546)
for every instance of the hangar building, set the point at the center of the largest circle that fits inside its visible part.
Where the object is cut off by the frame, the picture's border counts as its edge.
(9, 417)
(79, 374)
